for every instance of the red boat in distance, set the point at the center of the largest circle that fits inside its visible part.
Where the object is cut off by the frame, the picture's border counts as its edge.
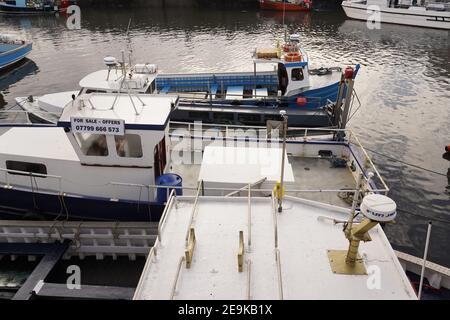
(286, 5)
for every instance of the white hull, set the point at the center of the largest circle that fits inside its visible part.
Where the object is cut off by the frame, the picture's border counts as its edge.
(410, 17)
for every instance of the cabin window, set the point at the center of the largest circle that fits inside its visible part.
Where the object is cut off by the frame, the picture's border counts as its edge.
(11, 2)
(30, 167)
(160, 160)
(297, 74)
(198, 115)
(151, 88)
(92, 144)
(249, 118)
(223, 117)
(95, 91)
(129, 146)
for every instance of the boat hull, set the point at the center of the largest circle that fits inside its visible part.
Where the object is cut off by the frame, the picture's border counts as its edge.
(18, 204)
(428, 19)
(282, 6)
(14, 54)
(15, 9)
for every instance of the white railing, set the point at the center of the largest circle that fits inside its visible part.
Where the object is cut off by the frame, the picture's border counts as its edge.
(31, 175)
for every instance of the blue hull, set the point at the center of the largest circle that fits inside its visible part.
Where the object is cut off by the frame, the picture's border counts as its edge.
(16, 204)
(17, 9)
(10, 54)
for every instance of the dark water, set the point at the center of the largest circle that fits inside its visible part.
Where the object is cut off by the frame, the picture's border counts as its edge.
(404, 83)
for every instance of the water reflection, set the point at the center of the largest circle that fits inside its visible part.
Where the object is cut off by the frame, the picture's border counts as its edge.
(16, 72)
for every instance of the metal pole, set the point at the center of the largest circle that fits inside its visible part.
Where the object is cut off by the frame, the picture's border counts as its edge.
(280, 198)
(355, 201)
(427, 243)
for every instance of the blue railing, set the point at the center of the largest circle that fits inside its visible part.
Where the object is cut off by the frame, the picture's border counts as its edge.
(219, 82)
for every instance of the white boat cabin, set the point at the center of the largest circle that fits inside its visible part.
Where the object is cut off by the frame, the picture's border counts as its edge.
(292, 65)
(101, 140)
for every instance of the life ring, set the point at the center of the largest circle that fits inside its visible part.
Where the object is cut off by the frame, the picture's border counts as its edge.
(292, 57)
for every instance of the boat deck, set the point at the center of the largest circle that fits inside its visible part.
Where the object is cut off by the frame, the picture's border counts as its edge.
(284, 256)
(312, 174)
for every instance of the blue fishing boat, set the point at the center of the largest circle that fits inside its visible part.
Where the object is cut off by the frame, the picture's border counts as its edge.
(28, 6)
(281, 79)
(12, 50)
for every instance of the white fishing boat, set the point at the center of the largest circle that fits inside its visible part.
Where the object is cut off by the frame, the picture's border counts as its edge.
(104, 153)
(430, 14)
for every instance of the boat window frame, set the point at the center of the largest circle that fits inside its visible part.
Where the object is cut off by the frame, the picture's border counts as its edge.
(300, 76)
(85, 149)
(29, 168)
(138, 142)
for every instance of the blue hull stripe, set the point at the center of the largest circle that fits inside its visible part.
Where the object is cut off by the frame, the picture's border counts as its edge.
(17, 204)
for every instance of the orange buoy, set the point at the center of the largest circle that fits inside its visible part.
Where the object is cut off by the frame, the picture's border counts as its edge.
(301, 101)
(293, 56)
(447, 148)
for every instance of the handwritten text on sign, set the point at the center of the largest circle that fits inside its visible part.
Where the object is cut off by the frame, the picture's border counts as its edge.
(98, 126)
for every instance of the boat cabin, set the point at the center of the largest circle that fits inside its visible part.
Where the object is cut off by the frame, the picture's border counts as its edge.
(104, 147)
(292, 65)
(119, 130)
(119, 78)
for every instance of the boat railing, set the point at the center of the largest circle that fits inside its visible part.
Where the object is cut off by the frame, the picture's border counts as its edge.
(231, 100)
(32, 175)
(296, 134)
(367, 165)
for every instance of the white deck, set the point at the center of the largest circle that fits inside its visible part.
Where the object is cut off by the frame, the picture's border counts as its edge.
(54, 102)
(243, 165)
(303, 241)
(41, 143)
(98, 81)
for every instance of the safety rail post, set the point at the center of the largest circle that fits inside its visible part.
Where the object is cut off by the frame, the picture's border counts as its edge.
(424, 260)
(275, 222)
(194, 209)
(175, 282)
(249, 279)
(249, 216)
(167, 208)
(280, 279)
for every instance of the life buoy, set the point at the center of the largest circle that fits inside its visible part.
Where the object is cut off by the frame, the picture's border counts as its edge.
(292, 57)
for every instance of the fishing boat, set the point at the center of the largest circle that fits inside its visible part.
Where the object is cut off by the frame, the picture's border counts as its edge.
(113, 156)
(405, 12)
(12, 50)
(250, 98)
(28, 6)
(286, 5)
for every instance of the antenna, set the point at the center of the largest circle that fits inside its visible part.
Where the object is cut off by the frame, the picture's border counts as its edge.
(375, 208)
(284, 26)
(130, 49)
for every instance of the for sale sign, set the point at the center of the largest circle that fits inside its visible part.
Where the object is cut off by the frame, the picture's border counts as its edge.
(98, 126)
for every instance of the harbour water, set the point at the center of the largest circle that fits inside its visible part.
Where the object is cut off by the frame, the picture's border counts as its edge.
(403, 85)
